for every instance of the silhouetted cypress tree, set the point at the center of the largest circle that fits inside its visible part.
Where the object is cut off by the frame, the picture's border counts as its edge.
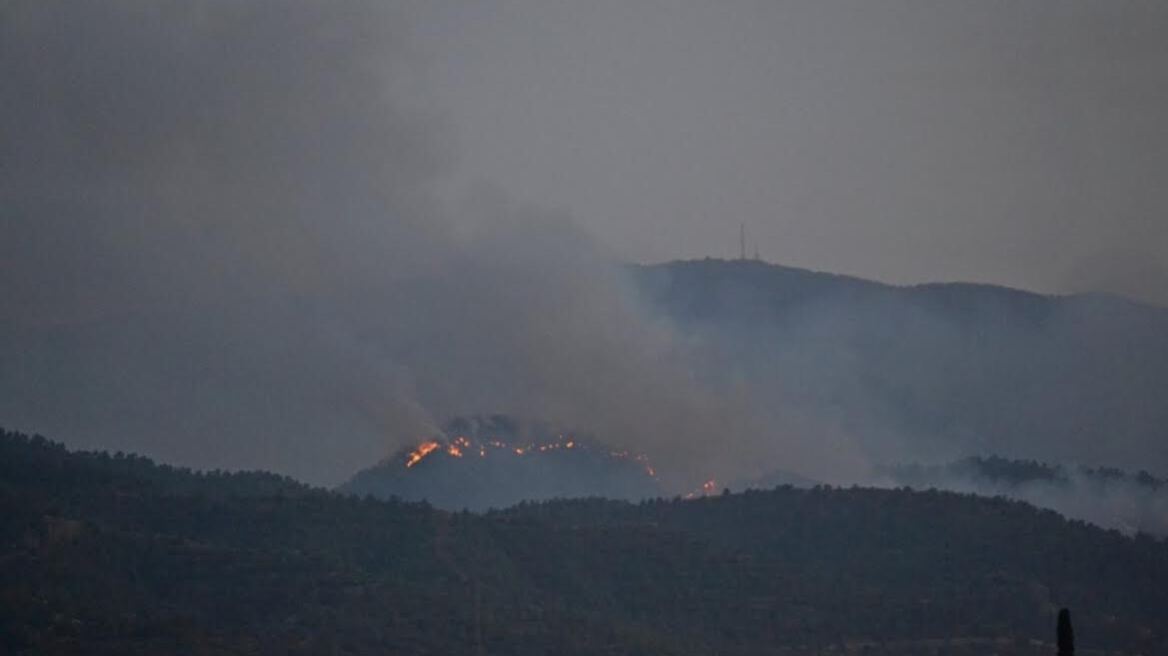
(1066, 635)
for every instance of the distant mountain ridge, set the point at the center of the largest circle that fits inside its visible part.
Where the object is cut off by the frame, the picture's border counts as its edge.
(934, 371)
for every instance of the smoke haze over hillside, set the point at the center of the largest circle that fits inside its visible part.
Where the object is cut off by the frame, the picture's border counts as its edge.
(1107, 497)
(223, 246)
(239, 234)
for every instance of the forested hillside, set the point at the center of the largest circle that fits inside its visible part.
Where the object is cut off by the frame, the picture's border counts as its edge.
(1108, 497)
(931, 372)
(115, 555)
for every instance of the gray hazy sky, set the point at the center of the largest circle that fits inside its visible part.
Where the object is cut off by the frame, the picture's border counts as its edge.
(1021, 143)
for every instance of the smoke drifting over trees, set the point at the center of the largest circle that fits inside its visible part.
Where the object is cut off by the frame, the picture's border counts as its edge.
(1107, 497)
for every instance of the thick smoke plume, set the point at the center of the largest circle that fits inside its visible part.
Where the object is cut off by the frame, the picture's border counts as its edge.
(223, 245)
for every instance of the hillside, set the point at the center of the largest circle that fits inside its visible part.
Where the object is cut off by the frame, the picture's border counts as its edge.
(496, 462)
(931, 372)
(1111, 498)
(116, 555)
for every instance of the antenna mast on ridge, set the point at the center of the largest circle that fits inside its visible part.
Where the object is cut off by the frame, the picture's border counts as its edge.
(742, 241)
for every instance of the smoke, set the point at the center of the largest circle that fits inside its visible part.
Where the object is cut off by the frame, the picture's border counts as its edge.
(229, 238)
(226, 242)
(1122, 505)
(1132, 272)
(928, 373)
(1108, 498)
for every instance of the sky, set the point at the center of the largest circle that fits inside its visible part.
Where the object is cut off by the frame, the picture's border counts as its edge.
(1018, 143)
(294, 235)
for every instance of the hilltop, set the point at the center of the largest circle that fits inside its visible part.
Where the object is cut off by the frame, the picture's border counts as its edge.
(496, 462)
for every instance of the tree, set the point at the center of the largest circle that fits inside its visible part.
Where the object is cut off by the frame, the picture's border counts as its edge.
(1066, 634)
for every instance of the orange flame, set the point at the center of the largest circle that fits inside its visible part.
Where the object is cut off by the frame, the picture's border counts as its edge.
(705, 490)
(422, 451)
(461, 444)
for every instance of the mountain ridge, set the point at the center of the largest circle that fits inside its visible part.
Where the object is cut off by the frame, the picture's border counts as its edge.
(857, 279)
(950, 369)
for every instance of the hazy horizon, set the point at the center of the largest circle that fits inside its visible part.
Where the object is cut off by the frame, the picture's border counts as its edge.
(907, 142)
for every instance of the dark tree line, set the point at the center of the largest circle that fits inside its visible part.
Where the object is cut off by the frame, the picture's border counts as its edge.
(105, 554)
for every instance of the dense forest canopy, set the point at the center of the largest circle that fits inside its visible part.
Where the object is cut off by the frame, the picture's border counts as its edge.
(118, 555)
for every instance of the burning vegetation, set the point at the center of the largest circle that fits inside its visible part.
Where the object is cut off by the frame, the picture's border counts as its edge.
(495, 461)
(705, 490)
(501, 448)
(424, 449)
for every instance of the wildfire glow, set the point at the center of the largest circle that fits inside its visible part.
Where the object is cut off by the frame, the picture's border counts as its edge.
(459, 446)
(422, 451)
(705, 490)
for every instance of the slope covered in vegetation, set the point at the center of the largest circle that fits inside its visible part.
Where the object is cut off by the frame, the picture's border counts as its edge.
(1108, 497)
(116, 555)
